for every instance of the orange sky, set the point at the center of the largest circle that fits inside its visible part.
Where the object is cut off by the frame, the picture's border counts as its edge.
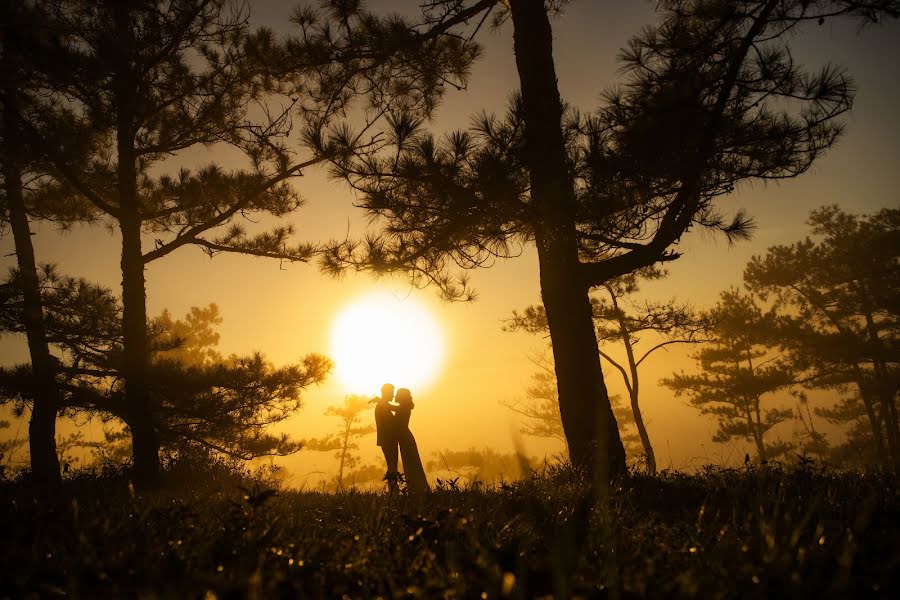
(288, 311)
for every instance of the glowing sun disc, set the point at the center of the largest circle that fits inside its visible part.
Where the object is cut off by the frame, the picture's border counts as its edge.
(380, 338)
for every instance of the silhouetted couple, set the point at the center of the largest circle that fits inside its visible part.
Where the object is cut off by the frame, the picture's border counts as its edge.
(397, 441)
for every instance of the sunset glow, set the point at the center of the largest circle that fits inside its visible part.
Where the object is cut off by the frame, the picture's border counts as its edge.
(382, 338)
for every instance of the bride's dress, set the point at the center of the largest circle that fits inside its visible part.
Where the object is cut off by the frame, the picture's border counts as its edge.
(413, 470)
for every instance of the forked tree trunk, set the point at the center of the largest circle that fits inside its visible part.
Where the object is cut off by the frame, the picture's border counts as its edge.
(634, 386)
(587, 418)
(42, 427)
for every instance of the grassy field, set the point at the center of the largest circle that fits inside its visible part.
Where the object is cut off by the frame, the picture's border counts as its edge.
(754, 532)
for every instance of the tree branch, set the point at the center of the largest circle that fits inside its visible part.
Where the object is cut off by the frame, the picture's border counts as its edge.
(190, 235)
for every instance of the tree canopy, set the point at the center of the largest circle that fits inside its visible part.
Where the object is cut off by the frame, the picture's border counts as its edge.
(837, 297)
(223, 404)
(739, 371)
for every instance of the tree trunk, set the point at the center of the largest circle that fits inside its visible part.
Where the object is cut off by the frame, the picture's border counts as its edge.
(870, 411)
(635, 385)
(585, 411)
(895, 430)
(136, 359)
(883, 383)
(344, 445)
(888, 417)
(649, 454)
(42, 427)
(758, 432)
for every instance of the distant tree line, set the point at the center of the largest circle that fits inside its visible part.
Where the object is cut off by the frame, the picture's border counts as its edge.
(819, 314)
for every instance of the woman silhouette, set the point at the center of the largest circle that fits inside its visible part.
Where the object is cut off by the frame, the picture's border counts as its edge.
(416, 482)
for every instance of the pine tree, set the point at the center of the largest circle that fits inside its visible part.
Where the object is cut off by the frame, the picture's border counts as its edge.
(740, 369)
(23, 97)
(344, 442)
(838, 294)
(540, 406)
(206, 401)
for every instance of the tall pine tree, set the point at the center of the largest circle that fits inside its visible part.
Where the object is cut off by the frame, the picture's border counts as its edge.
(29, 192)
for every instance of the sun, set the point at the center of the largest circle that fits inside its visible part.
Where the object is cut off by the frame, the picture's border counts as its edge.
(380, 338)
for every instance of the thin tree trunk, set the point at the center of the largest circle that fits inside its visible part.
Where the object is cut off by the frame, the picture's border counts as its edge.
(870, 411)
(888, 417)
(758, 432)
(42, 426)
(136, 368)
(649, 454)
(344, 454)
(634, 387)
(585, 411)
(891, 418)
(885, 389)
(874, 424)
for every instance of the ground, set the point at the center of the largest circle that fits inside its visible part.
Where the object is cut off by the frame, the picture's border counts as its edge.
(763, 532)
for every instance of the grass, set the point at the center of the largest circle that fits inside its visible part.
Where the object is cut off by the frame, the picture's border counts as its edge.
(754, 532)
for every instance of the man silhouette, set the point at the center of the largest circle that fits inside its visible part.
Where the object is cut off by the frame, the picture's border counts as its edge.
(386, 432)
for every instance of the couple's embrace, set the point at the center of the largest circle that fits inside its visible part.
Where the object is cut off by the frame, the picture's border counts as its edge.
(396, 440)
